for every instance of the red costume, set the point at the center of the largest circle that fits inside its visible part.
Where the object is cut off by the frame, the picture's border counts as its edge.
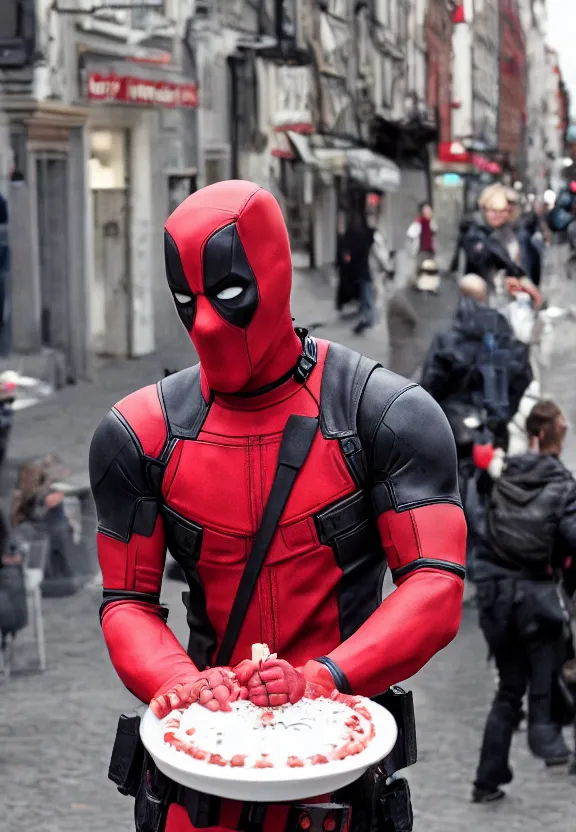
(188, 464)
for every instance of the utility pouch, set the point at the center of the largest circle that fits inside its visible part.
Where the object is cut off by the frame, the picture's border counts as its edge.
(153, 798)
(363, 796)
(394, 808)
(127, 760)
(400, 703)
(319, 817)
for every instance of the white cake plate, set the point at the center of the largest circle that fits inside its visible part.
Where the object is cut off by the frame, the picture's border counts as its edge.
(268, 785)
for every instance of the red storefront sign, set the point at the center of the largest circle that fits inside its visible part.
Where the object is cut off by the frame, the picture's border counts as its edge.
(485, 165)
(130, 90)
(456, 154)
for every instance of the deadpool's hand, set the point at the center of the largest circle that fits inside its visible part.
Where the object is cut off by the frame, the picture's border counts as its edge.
(213, 688)
(275, 682)
(319, 680)
(271, 682)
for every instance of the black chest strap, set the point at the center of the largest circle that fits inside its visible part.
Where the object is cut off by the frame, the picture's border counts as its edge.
(294, 448)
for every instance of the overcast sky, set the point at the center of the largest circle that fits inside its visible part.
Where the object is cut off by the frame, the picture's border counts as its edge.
(561, 36)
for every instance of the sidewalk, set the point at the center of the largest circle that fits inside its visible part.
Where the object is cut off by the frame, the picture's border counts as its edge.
(57, 728)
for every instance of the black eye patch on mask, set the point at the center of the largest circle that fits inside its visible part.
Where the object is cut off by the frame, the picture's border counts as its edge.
(225, 266)
(178, 283)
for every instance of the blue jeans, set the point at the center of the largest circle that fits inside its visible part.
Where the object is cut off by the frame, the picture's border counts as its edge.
(367, 303)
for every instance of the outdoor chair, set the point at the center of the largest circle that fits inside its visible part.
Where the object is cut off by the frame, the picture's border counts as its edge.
(34, 546)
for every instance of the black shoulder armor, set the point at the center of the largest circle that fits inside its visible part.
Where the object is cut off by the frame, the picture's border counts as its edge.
(184, 406)
(408, 443)
(125, 483)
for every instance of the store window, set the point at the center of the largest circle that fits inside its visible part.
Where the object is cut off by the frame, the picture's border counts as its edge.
(107, 160)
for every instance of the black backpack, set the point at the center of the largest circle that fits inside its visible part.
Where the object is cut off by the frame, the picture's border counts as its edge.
(561, 215)
(492, 363)
(522, 522)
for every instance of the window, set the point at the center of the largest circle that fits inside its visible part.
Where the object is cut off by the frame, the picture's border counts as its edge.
(139, 16)
(107, 165)
(9, 19)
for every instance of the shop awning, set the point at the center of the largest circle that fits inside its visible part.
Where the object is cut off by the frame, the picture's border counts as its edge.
(302, 146)
(281, 147)
(374, 172)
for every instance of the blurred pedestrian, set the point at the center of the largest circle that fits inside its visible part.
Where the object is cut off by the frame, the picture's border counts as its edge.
(402, 323)
(356, 249)
(527, 227)
(38, 500)
(478, 366)
(421, 235)
(347, 291)
(478, 372)
(382, 269)
(491, 245)
(13, 601)
(531, 523)
(463, 228)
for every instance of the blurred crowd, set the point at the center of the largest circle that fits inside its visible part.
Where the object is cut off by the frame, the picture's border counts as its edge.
(519, 498)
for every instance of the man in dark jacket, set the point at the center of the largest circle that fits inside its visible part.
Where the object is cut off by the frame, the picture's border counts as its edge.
(531, 527)
(478, 372)
(356, 248)
(465, 379)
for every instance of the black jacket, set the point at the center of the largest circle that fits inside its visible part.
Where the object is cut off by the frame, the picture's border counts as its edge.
(357, 244)
(546, 522)
(450, 373)
(486, 255)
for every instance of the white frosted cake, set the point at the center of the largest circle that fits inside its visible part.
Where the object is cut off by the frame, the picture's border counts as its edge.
(310, 732)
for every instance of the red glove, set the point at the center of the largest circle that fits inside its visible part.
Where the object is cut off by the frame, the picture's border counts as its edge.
(482, 456)
(275, 682)
(213, 688)
(271, 682)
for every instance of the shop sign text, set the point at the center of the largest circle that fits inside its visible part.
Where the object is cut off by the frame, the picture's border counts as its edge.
(131, 90)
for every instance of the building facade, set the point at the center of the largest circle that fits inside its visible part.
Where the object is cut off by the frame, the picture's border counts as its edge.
(513, 116)
(555, 121)
(485, 75)
(447, 179)
(534, 21)
(404, 126)
(103, 142)
(112, 116)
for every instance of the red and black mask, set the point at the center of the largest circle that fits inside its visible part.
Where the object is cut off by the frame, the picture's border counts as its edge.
(230, 272)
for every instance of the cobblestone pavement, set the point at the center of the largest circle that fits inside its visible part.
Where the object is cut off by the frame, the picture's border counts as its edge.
(56, 730)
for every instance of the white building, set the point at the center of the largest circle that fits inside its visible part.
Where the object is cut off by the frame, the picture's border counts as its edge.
(553, 121)
(534, 22)
(485, 75)
(104, 141)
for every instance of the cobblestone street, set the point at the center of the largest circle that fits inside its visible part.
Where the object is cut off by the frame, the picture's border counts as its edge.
(57, 729)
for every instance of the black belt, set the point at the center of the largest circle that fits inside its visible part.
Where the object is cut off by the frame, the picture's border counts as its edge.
(204, 811)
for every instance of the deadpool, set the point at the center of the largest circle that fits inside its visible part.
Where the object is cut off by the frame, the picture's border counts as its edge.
(195, 465)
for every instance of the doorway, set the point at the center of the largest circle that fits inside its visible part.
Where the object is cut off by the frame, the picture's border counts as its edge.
(110, 188)
(53, 241)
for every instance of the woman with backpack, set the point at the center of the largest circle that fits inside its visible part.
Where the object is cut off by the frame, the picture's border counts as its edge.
(530, 528)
